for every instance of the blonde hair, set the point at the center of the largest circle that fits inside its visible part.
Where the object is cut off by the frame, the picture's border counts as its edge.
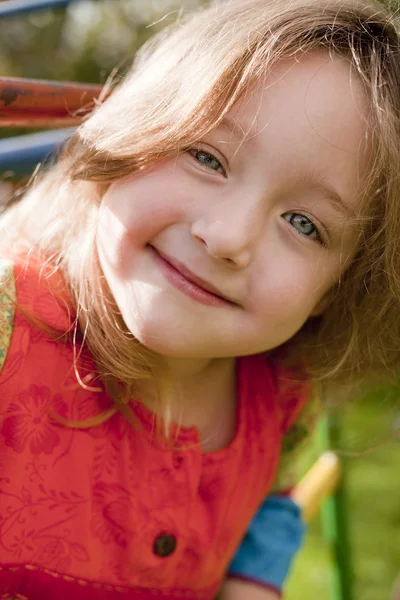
(181, 85)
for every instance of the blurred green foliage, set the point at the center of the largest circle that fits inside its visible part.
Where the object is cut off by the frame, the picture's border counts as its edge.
(370, 451)
(84, 42)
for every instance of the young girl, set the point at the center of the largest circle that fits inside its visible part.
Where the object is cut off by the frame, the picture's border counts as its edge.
(218, 235)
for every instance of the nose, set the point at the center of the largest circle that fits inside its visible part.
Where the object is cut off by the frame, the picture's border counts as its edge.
(230, 230)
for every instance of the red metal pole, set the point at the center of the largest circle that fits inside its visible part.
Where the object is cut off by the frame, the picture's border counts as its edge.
(38, 103)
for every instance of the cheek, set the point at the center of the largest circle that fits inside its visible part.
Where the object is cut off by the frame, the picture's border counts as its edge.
(142, 206)
(288, 291)
(124, 215)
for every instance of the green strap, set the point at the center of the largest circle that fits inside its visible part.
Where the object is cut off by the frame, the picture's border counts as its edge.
(295, 443)
(8, 297)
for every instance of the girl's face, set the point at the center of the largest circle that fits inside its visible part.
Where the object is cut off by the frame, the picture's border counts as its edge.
(228, 248)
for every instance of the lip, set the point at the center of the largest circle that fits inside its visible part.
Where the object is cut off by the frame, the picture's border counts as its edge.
(196, 287)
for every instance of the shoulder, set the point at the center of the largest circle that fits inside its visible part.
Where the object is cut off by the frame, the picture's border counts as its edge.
(287, 386)
(282, 389)
(32, 294)
(293, 388)
(41, 291)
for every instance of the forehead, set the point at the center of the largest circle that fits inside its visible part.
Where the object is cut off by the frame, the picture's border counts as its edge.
(309, 113)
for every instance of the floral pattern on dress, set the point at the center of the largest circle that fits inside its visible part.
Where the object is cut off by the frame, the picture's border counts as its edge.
(32, 407)
(81, 510)
(112, 509)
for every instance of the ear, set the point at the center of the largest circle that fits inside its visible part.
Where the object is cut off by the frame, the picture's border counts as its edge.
(321, 306)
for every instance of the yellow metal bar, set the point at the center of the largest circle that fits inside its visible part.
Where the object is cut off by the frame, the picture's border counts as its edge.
(318, 483)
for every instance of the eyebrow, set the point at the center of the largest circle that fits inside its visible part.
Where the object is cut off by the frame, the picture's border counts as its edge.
(330, 194)
(310, 179)
(235, 129)
(229, 123)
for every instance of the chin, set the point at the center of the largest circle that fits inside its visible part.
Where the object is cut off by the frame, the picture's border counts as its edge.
(170, 345)
(157, 339)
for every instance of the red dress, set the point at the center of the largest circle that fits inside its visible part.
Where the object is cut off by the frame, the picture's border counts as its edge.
(113, 511)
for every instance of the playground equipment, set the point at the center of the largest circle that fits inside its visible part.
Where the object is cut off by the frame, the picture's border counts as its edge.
(323, 487)
(45, 104)
(14, 7)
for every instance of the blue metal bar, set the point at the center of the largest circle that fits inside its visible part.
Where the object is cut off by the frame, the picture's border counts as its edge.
(14, 7)
(21, 154)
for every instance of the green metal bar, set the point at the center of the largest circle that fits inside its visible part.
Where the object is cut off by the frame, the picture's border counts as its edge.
(335, 518)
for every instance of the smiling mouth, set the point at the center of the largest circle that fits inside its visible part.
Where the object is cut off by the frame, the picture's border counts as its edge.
(187, 282)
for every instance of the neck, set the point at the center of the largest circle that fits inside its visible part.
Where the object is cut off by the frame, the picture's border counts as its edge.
(199, 391)
(191, 371)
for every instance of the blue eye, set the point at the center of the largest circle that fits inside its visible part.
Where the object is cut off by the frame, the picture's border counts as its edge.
(303, 225)
(207, 160)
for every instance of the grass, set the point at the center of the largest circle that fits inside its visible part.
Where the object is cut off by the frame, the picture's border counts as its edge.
(373, 492)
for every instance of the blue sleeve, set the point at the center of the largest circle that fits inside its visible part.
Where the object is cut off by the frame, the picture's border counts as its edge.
(273, 538)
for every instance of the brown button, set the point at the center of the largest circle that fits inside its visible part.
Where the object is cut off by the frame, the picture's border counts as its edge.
(164, 544)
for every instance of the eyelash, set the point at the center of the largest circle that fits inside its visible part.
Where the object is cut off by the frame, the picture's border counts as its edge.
(194, 151)
(318, 237)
